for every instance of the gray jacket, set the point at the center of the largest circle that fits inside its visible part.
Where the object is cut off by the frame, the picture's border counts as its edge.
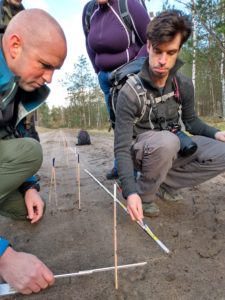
(128, 109)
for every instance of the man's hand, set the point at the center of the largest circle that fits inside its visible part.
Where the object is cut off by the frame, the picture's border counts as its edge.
(134, 207)
(24, 272)
(34, 204)
(220, 136)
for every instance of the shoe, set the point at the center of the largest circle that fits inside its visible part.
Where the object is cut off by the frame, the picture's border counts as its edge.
(163, 194)
(150, 209)
(112, 174)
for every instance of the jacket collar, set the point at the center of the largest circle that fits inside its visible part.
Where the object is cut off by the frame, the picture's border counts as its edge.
(7, 78)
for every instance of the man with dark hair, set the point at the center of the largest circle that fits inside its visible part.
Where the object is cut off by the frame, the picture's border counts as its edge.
(27, 63)
(149, 136)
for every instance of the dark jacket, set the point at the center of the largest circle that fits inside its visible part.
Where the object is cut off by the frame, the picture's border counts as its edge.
(7, 12)
(128, 109)
(15, 105)
(108, 42)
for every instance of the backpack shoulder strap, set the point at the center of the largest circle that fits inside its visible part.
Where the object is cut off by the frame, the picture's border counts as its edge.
(176, 89)
(127, 19)
(2, 25)
(125, 15)
(134, 81)
(90, 7)
(143, 3)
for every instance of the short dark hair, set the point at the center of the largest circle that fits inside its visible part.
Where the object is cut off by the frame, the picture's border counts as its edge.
(164, 27)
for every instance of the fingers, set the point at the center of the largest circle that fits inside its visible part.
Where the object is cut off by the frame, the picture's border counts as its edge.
(131, 214)
(30, 211)
(38, 213)
(134, 207)
(140, 212)
(134, 214)
(25, 291)
(40, 282)
(34, 204)
(49, 277)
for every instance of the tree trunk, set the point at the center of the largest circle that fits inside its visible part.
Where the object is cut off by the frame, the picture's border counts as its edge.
(194, 57)
(222, 68)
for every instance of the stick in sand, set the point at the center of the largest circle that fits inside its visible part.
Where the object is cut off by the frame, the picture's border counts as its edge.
(115, 239)
(53, 184)
(141, 224)
(6, 289)
(67, 152)
(78, 180)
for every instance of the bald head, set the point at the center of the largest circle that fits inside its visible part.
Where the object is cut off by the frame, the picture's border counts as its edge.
(35, 25)
(34, 34)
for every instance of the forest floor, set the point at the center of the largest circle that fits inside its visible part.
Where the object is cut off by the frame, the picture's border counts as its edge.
(69, 240)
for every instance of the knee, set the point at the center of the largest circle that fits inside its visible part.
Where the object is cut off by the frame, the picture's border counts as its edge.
(166, 146)
(170, 142)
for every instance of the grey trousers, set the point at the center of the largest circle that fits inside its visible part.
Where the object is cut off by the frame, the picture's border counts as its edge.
(19, 159)
(155, 155)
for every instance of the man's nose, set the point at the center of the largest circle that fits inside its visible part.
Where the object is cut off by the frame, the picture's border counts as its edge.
(47, 76)
(163, 58)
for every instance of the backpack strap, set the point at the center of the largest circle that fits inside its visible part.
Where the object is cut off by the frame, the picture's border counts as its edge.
(90, 7)
(124, 14)
(143, 3)
(177, 95)
(176, 89)
(127, 19)
(2, 25)
(135, 83)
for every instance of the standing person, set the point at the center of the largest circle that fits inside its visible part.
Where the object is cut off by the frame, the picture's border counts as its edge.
(110, 44)
(29, 56)
(159, 150)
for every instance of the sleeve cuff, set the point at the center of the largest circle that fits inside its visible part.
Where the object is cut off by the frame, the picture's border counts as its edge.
(4, 244)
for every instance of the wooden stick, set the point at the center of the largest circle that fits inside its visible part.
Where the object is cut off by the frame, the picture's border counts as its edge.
(54, 177)
(115, 240)
(50, 190)
(78, 180)
(143, 225)
(53, 183)
(67, 153)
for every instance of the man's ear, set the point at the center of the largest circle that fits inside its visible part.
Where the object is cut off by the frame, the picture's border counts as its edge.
(148, 46)
(14, 45)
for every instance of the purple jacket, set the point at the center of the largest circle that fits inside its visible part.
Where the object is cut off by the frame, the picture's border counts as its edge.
(109, 43)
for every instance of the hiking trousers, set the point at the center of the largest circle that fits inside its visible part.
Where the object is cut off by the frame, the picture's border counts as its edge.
(19, 159)
(155, 155)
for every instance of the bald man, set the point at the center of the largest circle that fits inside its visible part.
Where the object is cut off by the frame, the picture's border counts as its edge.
(28, 58)
(8, 9)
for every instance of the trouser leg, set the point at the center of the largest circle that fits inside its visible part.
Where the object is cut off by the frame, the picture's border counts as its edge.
(154, 154)
(13, 206)
(103, 78)
(207, 162)
(19, 159)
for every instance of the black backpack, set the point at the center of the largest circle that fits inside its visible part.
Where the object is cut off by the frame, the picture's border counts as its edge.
(125, 16)
(128, 73)
(83, 138)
